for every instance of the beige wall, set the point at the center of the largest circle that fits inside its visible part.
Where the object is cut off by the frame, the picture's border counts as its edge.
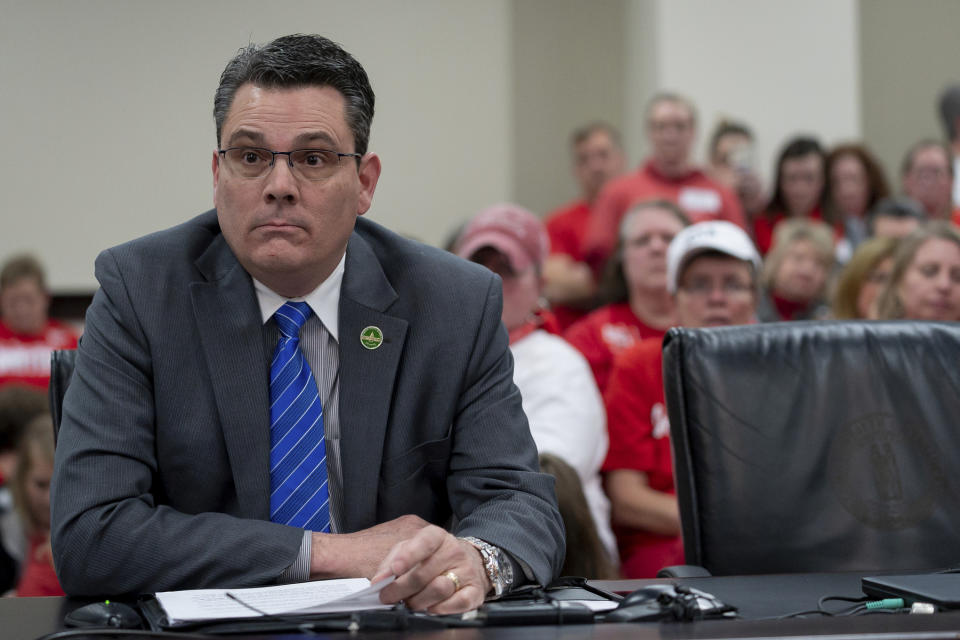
(106, 103)
(784, 67)
(568, 69)
(910, 52)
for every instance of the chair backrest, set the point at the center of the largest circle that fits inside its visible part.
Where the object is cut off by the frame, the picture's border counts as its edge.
(804, 447)
(61, 370)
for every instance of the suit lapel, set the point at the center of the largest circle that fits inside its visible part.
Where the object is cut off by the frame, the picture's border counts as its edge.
(231, 335)
(366, 379)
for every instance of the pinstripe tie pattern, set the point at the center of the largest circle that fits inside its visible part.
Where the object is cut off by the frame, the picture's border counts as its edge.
(299, 495)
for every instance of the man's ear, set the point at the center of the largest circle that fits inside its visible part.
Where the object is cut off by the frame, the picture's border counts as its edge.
(369, 174)
(215, 167)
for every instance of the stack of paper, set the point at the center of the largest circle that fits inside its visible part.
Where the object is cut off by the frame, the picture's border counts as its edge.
(288, 600)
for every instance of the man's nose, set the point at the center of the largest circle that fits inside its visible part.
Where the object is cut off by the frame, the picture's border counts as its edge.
(281, 184)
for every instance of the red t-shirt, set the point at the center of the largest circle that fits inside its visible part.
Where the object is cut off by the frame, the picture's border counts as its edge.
(26, 359)
(696, 193)
(606, 332)
(567, 228)
(38, 577)
(640, 440)
(765, 224)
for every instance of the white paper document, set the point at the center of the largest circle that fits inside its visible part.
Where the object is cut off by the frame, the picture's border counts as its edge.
(321, 596)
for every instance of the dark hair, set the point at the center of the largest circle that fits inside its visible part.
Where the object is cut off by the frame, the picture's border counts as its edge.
(18, 405)
(297, 61)
(877, 185)
(927, 143)
(795, 148)
(950, 110)
(613, 287)
(899, 207)
(586, 556)
(727, 128)
(20, 267)
(587, 130)
(36, 440)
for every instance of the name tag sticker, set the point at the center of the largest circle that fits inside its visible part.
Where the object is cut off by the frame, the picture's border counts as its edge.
(698, 200)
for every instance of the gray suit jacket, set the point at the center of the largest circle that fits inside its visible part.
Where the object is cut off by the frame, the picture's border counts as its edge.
(162, 479)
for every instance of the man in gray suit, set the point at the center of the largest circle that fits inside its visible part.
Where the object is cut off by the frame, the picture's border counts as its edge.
(170, 462)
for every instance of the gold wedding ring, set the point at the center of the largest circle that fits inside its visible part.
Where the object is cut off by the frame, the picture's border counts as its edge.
(454, 579)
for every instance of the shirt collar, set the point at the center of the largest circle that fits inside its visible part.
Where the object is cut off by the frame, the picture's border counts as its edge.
(324, 300)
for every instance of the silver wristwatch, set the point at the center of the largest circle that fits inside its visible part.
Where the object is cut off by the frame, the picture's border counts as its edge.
(496, 563)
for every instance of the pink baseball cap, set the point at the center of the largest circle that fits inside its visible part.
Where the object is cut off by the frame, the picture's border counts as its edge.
(510, 229)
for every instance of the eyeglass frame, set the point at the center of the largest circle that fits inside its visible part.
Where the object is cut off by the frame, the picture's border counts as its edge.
(273, 158)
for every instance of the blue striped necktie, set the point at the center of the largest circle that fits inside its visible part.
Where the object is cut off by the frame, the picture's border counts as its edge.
(298, 455)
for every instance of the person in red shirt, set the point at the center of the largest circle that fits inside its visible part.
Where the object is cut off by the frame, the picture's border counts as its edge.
(636, 286)
(27, 334)
(569, 283)
(668, 174)
(712, 275)
(799, 191)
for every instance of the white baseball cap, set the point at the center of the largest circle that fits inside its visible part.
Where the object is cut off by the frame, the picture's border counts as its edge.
(717, 235)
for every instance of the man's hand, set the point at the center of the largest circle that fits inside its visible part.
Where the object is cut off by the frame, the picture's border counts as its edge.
(422, 565)
(359, 554)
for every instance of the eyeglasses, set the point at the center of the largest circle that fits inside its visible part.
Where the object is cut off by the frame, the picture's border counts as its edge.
(309, 164)
(704, 288)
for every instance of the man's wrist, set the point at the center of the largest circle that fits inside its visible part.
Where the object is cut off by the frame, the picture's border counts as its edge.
(496, 564)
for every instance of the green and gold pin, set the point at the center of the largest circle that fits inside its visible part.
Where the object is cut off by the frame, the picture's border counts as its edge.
(371, 337)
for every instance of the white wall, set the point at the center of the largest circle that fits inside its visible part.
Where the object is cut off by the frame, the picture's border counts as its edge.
(106, 112)
(785, 67)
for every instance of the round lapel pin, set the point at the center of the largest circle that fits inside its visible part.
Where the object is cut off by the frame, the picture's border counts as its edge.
(371, 337)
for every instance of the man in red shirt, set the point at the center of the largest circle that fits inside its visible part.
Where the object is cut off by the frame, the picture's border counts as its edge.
(27, 335)
(668, 174)
(570, 286)
(926, 175)
(712, 272)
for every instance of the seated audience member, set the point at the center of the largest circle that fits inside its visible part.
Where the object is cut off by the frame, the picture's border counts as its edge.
(795, 272)
(586, 554)
(895, 217)
(732, 165)
(18, 406)
(926, 175)
(798, 192)
(560, 398)
(280, 390)
(635, 285)
(712, 274)
(570, 285)
(855, 184)
(31, 488)
(925, 279)
(950, 118)
(862, 280)
(668, 174)
(27, 334)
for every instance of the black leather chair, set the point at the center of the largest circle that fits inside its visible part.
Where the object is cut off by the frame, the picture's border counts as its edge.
(61, 370)
(806, 447)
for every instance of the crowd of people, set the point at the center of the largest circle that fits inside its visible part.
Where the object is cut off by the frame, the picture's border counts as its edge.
(27, 336)
(588, 294)
(674, 244)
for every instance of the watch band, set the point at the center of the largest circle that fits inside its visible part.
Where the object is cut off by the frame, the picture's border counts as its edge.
(496, 563)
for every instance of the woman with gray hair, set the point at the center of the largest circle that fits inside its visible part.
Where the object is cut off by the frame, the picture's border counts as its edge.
(796, 271)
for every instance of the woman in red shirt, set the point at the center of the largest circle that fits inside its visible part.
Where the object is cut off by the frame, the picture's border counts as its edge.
(799, 189)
